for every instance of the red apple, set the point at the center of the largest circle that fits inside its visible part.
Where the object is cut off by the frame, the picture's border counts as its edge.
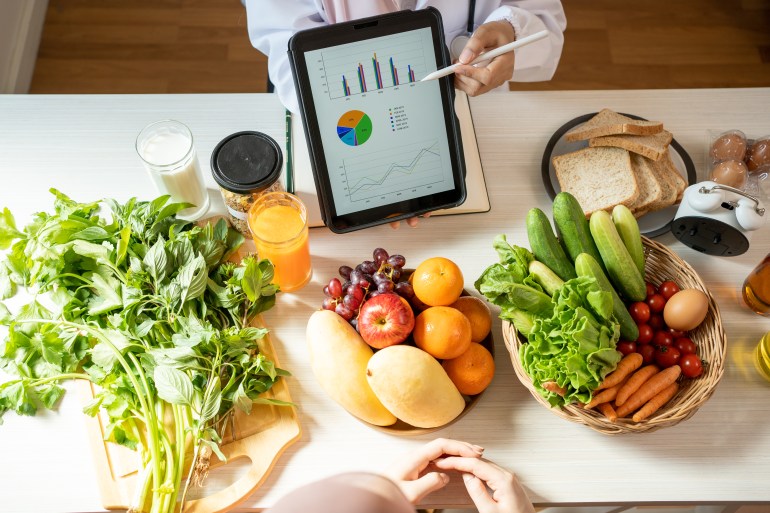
(385, 320)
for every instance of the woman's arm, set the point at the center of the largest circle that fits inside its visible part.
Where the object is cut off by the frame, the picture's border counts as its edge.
(271, 24)
(538, 61)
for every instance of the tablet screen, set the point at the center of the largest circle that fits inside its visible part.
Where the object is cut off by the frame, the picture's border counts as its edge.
(383, 131)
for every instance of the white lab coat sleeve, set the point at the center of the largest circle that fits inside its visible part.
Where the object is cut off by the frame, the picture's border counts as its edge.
(271, 23)
(536, 61)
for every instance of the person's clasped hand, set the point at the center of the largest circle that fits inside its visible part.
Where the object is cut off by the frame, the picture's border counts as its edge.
(478, 80)
(481, 476)
(423, 472)
(415, 473)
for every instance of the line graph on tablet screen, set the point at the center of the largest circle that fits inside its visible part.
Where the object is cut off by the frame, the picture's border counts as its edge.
(371, 65)
(393, 172)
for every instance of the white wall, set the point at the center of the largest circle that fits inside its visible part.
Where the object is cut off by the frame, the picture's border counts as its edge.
(21, 25)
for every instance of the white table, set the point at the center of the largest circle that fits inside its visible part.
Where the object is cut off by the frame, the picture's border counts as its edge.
(84, 145)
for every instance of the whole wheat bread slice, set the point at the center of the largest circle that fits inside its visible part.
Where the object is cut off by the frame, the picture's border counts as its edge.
(651, 146)
(667, 181)
(651, 190)
(599, 178)
(667, 168)
(608, 122)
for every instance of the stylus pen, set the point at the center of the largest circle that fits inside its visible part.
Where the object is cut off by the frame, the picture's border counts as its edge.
(489, 55)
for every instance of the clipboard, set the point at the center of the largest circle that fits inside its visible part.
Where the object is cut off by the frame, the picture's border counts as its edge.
(383, 145)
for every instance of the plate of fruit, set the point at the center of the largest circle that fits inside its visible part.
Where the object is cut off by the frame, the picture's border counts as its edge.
(404, 351)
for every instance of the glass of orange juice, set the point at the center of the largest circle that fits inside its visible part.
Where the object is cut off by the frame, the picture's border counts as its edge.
(278, 222)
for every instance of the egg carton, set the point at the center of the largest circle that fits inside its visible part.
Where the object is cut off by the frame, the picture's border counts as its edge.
(739, 161)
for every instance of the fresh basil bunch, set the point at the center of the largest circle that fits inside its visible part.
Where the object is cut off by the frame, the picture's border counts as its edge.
(148, 307)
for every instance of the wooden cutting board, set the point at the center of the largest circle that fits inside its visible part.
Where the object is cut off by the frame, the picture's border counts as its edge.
(261, 437)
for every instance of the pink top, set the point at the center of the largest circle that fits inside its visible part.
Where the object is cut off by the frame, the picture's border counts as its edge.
(346, 493)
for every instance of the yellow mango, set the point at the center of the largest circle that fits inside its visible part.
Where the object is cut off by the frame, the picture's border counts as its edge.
(338, 357)
(414, 386)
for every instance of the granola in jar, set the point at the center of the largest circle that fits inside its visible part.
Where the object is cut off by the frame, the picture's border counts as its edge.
(246, 165)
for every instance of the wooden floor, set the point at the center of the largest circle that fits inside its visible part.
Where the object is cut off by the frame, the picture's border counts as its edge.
(202, 46)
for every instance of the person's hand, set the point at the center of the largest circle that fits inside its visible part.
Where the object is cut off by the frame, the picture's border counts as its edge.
(478, 80)
(410, 472)
(480, 475)
(412, 221)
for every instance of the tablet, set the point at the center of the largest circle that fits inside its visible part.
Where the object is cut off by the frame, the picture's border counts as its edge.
(383, 145)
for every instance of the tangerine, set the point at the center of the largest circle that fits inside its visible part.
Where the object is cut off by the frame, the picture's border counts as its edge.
(442, 332)
(472, 371)
(477, 311)
(437, 282)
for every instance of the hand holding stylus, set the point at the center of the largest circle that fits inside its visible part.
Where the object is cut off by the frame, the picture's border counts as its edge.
(493, 41)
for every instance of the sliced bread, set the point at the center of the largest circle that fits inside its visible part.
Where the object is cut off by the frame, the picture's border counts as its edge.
(608, 122)
(651, 146)
(667, 182)
(651, 188)
(599, 178)
(667, 168)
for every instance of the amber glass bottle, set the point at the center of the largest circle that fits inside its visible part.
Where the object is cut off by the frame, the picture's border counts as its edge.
(756, 288)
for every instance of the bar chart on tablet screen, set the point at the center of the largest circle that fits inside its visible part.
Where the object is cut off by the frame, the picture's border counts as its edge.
(372, 65)
(415, 167)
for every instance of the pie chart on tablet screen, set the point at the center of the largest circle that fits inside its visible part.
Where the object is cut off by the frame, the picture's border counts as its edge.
(354, 128)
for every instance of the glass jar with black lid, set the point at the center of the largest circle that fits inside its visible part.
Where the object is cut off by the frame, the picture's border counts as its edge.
(246, 165)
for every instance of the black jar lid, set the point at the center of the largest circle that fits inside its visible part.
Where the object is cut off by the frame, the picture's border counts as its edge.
(246, 162)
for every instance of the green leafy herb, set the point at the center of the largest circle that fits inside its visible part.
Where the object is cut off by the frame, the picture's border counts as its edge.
(149, 308)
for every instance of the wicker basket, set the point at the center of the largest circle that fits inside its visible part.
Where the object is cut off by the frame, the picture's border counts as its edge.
(661, 264)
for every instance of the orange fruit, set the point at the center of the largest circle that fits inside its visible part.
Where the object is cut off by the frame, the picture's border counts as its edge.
(437, 282)
(442, 332)
(477, 311)
(472, 371)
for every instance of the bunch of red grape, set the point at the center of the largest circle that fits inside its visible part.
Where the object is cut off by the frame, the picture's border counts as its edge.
(370, 278)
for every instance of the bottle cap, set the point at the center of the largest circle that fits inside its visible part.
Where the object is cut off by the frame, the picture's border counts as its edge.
(246, 162)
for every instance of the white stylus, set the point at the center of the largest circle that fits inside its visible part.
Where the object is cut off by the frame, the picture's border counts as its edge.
(489, 55)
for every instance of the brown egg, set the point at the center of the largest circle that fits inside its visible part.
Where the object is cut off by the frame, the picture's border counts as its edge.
(686, 309)
(730, 172)
(729, 146)
(759, 153)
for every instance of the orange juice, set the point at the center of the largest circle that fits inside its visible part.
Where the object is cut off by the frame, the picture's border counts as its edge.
(278, 222)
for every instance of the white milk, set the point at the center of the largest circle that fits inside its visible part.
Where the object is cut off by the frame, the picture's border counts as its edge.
(169, 156)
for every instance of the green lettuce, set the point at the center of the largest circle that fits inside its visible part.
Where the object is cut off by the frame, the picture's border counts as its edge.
(575, 346)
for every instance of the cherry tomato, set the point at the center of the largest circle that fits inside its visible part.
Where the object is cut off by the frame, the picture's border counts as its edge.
(656, 303)
(685, 345)
(667, 289)
(656, 322)
(640, 312)
(692, 366)
(626, 347)
(648, 353)
(663, 338)
(651, 290)
(645, 334)
(666, 356)
(676, 333)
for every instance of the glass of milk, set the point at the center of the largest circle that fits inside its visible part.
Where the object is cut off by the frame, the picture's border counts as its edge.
(166, 148)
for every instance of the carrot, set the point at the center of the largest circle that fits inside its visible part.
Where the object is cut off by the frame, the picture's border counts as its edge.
(627, 365)
(608, 411)
(656, 402)
(605, 396)
(650, 389)
(636, 380)
(552, 386)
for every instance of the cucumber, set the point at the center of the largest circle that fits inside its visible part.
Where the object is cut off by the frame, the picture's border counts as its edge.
(572, 227)
(546, 247)
(628, 229)
(586, 265)
(545, 277)
(621, 269)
